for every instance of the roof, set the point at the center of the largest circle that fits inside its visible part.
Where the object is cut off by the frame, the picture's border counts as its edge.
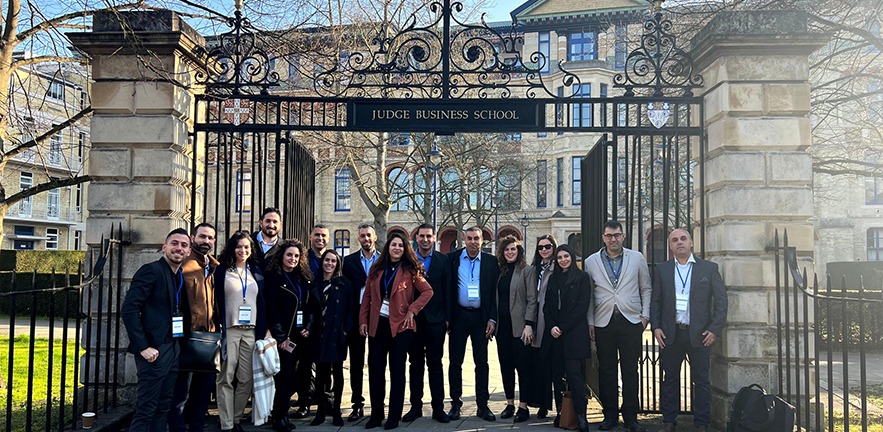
(545, 9)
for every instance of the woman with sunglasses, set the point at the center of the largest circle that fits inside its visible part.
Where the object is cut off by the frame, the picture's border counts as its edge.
(543, 264)
(396, 291)
(567, 302)
(334, 303)
(239, 291)
(292, 311)
(517, 306)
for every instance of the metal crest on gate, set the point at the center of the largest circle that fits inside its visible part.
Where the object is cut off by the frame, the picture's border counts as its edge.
(658, 113)
(236, 111)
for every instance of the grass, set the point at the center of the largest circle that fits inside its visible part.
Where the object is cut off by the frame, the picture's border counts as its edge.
(40, 362)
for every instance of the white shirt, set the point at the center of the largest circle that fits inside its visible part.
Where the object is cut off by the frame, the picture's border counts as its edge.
(683, 279)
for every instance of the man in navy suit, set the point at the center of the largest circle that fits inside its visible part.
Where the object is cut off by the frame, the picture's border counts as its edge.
(355, 269)
(156, 313)
(474, 277)
(267, 237)
(688, 311)
(432, 324)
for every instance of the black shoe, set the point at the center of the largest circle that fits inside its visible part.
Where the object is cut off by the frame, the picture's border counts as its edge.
(485, 414)
(238, 427)
(302, 412)
(279, 425)
(507, 412)
(412, 415)
(583, 424)
(319, 419)
(521, 415)
(454, 413)
(608, 424)
(634, 426)
(557, 420)
(441, 417)
(336, 418)
(542, 413)
(374, 422)
(391, 424)
(357, 413)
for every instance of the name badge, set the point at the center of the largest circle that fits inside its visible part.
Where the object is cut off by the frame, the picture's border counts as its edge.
(361, 295)
(384, 309)
(300, 318)
(244, 314)
(681, 302)
(472, 292)
(177, 326)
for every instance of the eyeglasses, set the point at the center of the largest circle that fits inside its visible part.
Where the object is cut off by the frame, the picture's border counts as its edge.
(544, 247)
(613, 236)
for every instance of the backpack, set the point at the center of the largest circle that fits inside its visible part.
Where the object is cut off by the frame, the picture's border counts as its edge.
(756, 411)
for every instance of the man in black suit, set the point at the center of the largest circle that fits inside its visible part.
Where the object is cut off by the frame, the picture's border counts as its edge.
(156, 313)
(688, 311)
(474, 274)
(432, 324)
(266, 238)
(318, 241)
(355, 269)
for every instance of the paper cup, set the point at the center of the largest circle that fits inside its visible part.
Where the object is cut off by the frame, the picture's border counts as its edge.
(88, 420)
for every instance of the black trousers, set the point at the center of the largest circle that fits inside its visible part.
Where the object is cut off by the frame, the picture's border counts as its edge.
(329, 385)
(356, 346)
(576, 383)
(427, 347)
(514, 356)
(293, 377)
(557, 370)
(156, 383)
(190, 401)
(380, 347)
(468, 325)
(670, 393)
(540, 374)
(623, 339)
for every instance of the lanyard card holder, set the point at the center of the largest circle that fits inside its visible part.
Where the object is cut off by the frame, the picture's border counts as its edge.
(177, 326)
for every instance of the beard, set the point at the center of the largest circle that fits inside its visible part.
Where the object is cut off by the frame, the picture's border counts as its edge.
(202, 248)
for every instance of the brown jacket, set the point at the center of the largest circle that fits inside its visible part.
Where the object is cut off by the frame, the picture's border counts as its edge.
(200, 291)
(401, 300)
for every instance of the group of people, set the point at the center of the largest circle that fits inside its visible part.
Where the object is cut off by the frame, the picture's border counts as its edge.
(401, 302)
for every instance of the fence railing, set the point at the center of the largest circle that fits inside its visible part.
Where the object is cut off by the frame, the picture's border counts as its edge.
(52, 322)
(824, 336)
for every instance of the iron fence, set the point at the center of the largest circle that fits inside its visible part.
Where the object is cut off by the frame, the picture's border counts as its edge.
(824, 335)
(36, 316)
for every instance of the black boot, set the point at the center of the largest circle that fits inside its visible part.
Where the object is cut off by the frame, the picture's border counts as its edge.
(583, 424)
(320, 416)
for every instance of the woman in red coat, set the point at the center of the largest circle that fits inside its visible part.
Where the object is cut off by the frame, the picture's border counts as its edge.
(387, 318)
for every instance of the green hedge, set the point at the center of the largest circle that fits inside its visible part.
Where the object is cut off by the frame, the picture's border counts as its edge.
(872, 332)
(25, 303)
(44, 261)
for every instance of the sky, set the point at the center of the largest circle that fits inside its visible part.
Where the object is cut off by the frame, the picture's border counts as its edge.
(498, 10)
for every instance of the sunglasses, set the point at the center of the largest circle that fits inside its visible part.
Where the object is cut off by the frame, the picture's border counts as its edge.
(544, 247)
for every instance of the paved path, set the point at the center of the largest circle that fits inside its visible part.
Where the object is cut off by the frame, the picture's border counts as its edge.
(23, 327)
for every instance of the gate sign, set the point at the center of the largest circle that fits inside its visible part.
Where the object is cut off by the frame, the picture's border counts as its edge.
(446, 116)
(236, 111)
(658, 113)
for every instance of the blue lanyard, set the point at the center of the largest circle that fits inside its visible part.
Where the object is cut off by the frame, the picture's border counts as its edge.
(616, 272)
(298, 293)
(683, 279)
(244, 283)
(388, 279)
(472, 265)
(178, 292)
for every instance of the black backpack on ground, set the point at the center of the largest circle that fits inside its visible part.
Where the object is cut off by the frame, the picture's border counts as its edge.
(756, 411)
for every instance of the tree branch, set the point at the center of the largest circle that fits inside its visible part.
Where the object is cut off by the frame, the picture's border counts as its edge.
(51, 23)
(15, 151)
(43, 187)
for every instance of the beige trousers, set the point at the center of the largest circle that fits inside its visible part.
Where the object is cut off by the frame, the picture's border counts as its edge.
(231, 401)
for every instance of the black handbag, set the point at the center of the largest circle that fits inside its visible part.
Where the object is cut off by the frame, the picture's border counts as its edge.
(201, 352)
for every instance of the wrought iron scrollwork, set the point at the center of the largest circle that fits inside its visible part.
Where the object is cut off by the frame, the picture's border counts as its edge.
(658, 64)
(236, 63)
(444, 59)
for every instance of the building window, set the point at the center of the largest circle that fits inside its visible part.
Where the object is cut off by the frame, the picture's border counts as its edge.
(23, 230)
(544, 49)
(25, 182)
(875, 106)
(559, 111)
(582, 46)
(84, 99)
(559, 176)
(51, 238)
(581, 112)
(243, 191)
(55, 156)
(620, 47)
(81, 146)
(576, 180)
(342, 191)
(397, 179)
(509, 188)
(873, 185)
(79, 200)
(542, 178)
(52, 210)
(399, 139)
(342, 242)
(875, 244)
(78, 240)
(56, 90)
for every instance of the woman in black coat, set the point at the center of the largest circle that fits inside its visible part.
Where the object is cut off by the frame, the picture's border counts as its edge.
(334, 302)
(567, 303)
(292, 309)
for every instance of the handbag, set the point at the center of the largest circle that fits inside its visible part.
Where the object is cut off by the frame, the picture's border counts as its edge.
(568, 414)
(201, 352)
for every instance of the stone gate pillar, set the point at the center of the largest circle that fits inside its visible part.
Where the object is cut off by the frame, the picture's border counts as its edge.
(758, 178)
(143, 67)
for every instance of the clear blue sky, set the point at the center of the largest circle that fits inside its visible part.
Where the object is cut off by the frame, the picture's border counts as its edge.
(498, 10)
